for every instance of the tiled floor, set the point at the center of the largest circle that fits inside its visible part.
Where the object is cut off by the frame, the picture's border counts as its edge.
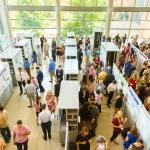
(17, 109)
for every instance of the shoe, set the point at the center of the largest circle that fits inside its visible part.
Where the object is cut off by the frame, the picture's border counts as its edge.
(30, 106)
(45, 138)
(49, 137)
(20, 93)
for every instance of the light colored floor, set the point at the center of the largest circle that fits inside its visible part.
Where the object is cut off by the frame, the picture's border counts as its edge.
(17, 109)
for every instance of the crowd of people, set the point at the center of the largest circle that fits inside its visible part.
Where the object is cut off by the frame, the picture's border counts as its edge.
(97, 84)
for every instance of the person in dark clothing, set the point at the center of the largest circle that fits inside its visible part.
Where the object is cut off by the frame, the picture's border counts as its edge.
(119, 102)
(54, 53)
(80, 57)
(39, 77)
(53, 42)
(59, 73)
(81, 96)
(83, 138)
(42, 41)
(84, 112)
(57, 89)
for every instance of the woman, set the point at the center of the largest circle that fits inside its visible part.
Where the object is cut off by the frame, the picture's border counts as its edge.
(138, 145)
(38, 106)
(144, 67)
(90, 85)
(83, 82)
(83, 139)
(46, 49)
(34, 59)
(131, 138)
(117, 122)
(133, 81)
(20, 135)
(98, 98)
(101, 143)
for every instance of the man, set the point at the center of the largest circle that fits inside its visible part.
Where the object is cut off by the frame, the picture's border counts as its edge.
(20, 135)
(4, 129)
(112, 87)
(80, 57)
(59, 73)
(27, 67)
(39, 77)
(30, 91)
(51, 69)
(53, 53)
(20, 77)
(42, 41)
(57, 89)
(44, 119)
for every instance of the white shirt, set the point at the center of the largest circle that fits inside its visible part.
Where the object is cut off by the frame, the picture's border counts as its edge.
(111, 87)
(44, 116)
(30, 88)
(20, 75)
(100, 146)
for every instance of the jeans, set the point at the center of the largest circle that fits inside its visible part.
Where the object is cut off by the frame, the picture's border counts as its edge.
(46, 127)
(6, 134)
(21, 145)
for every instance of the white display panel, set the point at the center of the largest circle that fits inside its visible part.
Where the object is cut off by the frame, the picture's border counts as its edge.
(133, 102)
(143, 125)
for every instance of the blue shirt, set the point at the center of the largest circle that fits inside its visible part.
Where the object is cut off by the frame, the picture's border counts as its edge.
(51, 66)
(131, 139)
(26, 65)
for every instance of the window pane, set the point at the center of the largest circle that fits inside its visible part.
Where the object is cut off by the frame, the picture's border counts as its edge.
(140, 3)
(139, 16)
(128, 3)
(140, 25)
(141, 33)
(25, 2)
(117, 3)
(120, 24)
(121, 16)
(12, 2)
(71, 15)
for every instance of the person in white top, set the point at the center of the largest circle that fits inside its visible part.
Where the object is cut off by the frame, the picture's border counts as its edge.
(34, 81)
(44, 119)
(30, 91)
(101, 143)
(111, 89)
(21, 77)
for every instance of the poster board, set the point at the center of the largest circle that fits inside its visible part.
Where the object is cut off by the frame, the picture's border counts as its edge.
(133, 102)
(143, 126)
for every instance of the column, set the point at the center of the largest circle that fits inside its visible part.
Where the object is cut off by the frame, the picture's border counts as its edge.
(58, 24)
(109, 14)
(7, 18)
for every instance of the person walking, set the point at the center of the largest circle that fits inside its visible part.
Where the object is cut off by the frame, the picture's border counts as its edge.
(20, 77)
(39, 77)
(4, 129)
(34, 59)
(59, 73)
(34, 81)
(20, 135)
(42, 41)
(112, 87)
(27, 67)
(80, 57)
(51, 69)
(30, 91)
(46, 48)
(57, 89)
(44, 119)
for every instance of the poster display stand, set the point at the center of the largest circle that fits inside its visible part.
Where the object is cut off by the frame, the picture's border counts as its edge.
(6, 87)
(15, 60)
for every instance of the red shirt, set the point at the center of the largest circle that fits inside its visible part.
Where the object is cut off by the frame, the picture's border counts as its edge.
(116, 122)
(132, 83)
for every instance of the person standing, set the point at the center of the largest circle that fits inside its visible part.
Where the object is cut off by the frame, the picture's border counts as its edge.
(39, 55)
(42, 41)
(30, 91)
(44, 119)
(59, 73)
(20, 77)
(34, 58)
(112, 87)
(4, 129)
(34, 81)
(39, 77)
(46, 48)
(27, 67)
(20, 135)
(57, 89)
(54, 53)
(51, 69)
(80, 57)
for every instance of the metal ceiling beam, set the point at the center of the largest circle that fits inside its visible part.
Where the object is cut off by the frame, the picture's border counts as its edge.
(77, 8)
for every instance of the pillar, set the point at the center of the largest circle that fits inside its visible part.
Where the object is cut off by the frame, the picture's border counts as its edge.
(58, 24)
